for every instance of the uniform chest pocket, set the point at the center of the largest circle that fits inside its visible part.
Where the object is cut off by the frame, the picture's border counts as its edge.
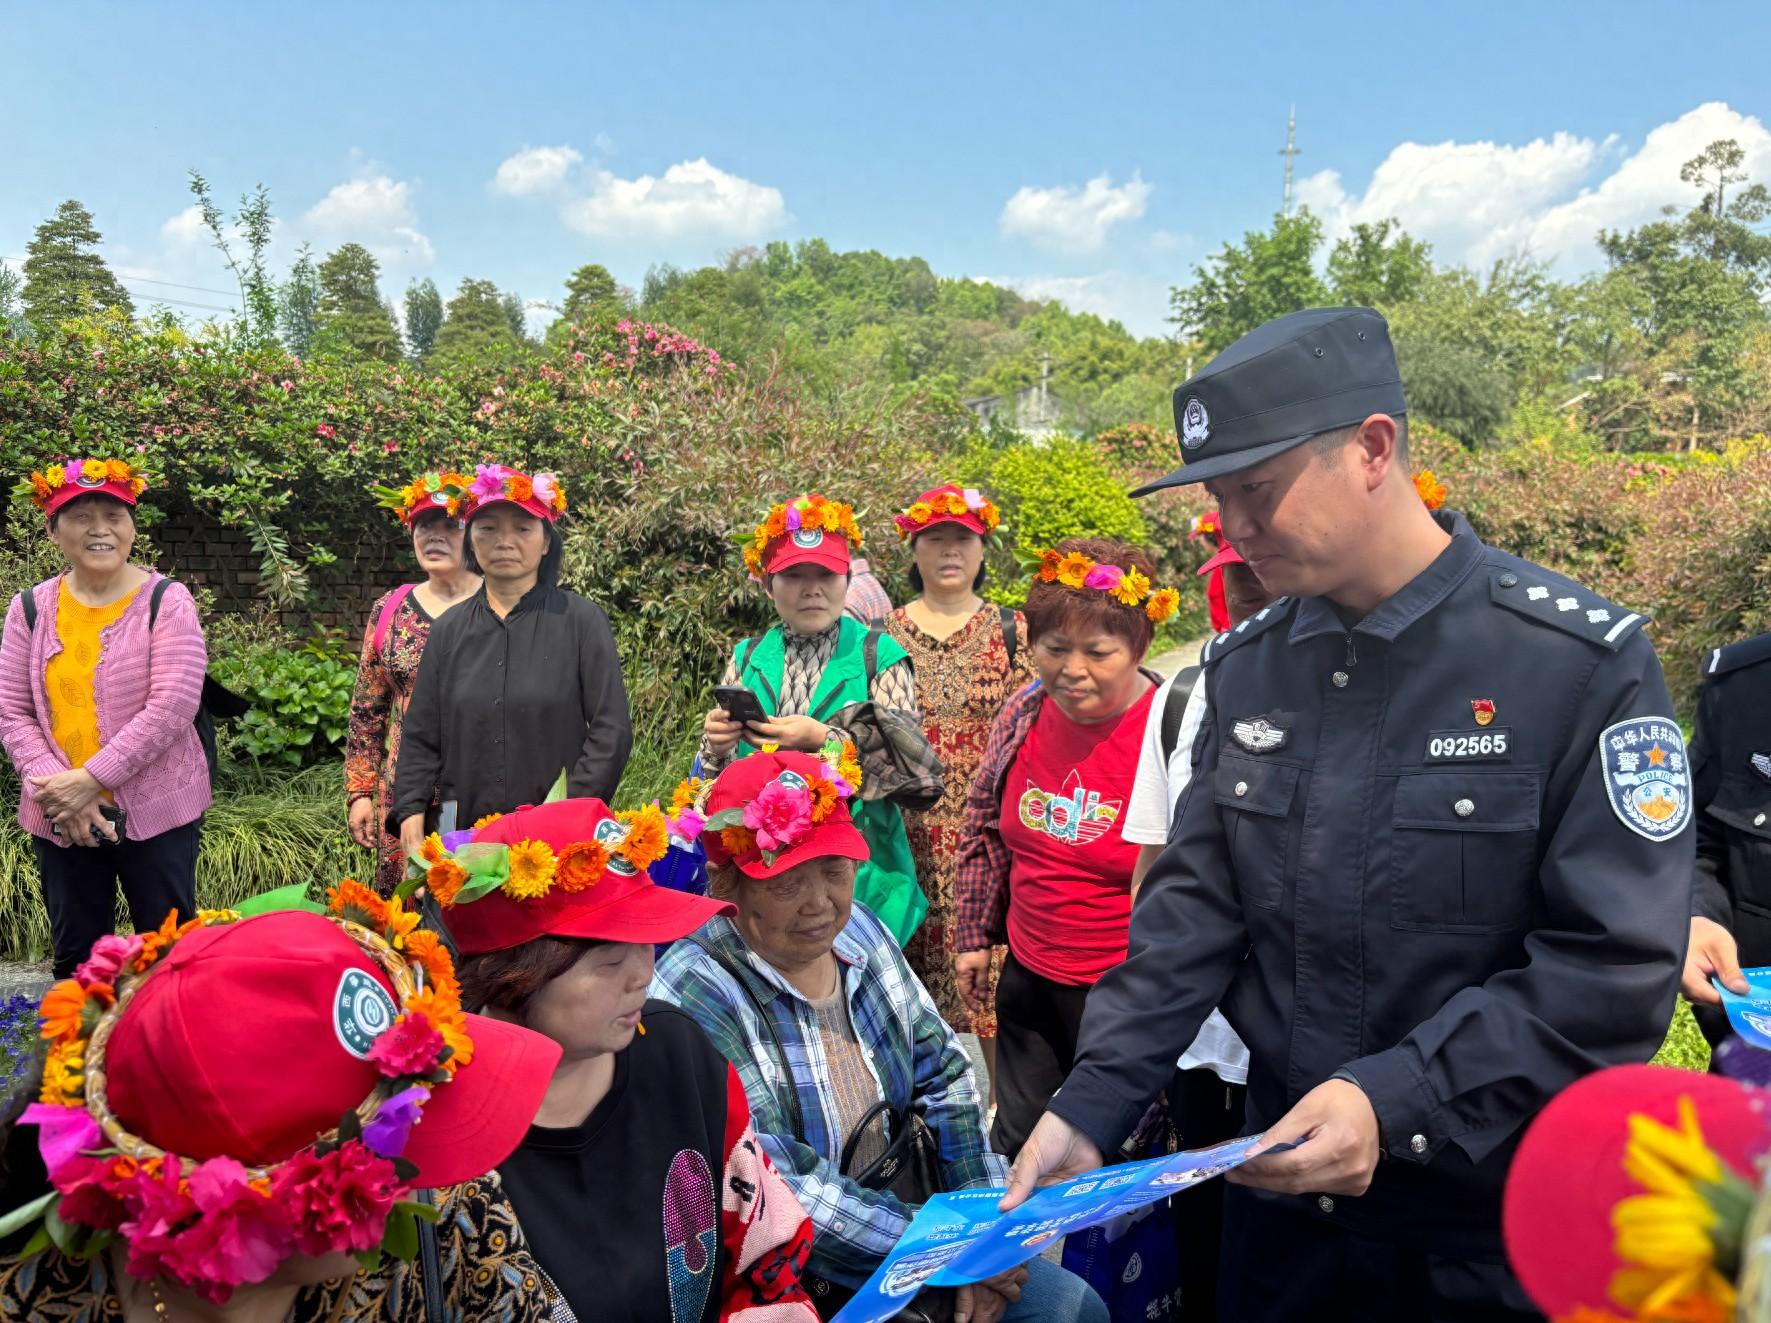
(1255, 800)
(1464, 851)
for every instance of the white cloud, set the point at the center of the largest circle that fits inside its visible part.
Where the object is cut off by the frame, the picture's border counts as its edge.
(375, 211)
(1140, 303)
(1073, 220)
(536, 171)
(1479, 201)
(691, 197)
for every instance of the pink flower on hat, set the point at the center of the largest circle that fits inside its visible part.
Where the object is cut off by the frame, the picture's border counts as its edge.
(780, 815)
(545, 487)
(488, 482)
(109, 954)
(240, 1238)
(1104, 577)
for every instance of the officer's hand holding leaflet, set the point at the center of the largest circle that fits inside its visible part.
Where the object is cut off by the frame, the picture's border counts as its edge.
(1055, 1151)
(1712, 952)
(1335, 1130)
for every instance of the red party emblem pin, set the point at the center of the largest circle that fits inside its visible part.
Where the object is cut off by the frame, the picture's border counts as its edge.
(1483, 708)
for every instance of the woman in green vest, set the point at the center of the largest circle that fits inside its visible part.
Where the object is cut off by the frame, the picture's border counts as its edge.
(819, 673)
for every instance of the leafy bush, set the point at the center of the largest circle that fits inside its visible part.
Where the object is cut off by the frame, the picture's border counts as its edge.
(300, 700)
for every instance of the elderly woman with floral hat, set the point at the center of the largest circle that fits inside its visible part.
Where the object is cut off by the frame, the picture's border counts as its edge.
(519, 685)
(818, 673)
(806, 992)
(99, 684)
(640, 1185)
(970, 656)
(399, 625)
(1043, 864)
(272, 1159)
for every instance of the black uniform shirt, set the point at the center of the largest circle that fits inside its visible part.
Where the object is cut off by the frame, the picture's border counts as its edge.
(501, 707)
(1466, 916)
(1731, 763)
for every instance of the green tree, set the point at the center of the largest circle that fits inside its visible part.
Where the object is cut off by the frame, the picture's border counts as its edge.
(515, 314)
(253, 223)
(424, 316)
(1270, 273)
(590, 292)
(298, 305)
(64, 276)
(12, 308)
(1378, 265)
(475, 325)
(352, 317)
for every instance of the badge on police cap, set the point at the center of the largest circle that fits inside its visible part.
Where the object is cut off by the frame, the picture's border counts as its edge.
(1646, 776)
(1195, 424)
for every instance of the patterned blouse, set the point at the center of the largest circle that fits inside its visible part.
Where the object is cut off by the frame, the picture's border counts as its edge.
(372, 743)
(487, 1272)
(963, 681)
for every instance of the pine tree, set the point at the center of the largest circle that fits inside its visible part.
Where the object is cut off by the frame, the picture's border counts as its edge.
(64, 277)
(352, 317)
(512, 303)
(590, 292)
(298, 305)
(475, 325)
(424, 316)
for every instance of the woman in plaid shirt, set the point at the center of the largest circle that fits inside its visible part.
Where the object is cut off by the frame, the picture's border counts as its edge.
(847, 1025)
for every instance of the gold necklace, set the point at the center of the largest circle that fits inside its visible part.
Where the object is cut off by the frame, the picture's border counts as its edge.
(160, 1310)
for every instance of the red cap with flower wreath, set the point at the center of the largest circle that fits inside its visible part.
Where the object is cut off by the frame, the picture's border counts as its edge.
(341, 1074)
(806, 529)
(775, 809)
(949, 504)
(441, 491)
(539, 494)
(53, 487)
(565, 868)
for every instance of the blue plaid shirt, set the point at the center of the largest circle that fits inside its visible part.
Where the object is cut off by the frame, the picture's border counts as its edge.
(909, 1048)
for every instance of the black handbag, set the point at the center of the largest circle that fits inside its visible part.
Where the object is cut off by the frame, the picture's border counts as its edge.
(909, 1168)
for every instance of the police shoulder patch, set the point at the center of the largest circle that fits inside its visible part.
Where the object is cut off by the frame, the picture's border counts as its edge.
(1261, 621)
(1747, 652)
(1561, 603)
(1647, 778)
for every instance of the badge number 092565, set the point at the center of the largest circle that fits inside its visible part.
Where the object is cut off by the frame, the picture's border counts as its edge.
(1470, 746)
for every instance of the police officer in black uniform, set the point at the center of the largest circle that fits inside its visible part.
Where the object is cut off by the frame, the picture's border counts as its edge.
(1434, 862)
(1731, 765)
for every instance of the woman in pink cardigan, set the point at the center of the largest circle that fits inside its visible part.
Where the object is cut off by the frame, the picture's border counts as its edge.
(99, 685)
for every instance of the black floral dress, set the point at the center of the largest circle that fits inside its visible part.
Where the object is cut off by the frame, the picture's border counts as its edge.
(385, 677)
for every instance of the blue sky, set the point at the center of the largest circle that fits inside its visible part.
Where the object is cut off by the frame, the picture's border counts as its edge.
(1092, 151)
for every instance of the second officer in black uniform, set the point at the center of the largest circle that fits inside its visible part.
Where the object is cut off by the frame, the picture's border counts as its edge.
(1434, 862)
(1731, 767)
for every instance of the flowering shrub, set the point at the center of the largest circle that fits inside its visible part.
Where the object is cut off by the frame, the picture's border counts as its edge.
(18, 1043)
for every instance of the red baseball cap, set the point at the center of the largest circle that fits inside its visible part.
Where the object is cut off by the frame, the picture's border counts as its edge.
(807, 546)
(1227, 555)
(1568, 1173)
(539, 494)
(249, 1040)
(948, 504)
(623, 905)
(743, 781)
(71, 479)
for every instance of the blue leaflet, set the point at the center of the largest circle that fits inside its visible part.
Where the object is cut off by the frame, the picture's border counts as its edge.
(960, 1238)
(1750, 1013)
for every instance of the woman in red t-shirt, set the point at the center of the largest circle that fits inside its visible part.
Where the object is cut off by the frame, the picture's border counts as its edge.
(1042, 863)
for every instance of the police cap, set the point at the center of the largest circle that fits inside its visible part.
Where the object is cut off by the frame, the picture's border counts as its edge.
(1298, 376)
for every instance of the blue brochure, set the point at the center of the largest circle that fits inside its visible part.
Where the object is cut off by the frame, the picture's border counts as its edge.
(1750, 1013)
(960, 1238)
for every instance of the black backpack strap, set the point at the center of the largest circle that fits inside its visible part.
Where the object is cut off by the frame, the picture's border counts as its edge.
(724, 962)
(154, 600)
(27, 602)
(1011, 637)
(430, 1260)
(870, 656)
(1174, 709)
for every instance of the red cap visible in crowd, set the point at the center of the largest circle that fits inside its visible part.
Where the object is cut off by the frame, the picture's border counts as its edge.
(806, 530)
(68, 480)
(244, 1042)
(949, 504)
(786, 808)
(571, 868)
(539, 494)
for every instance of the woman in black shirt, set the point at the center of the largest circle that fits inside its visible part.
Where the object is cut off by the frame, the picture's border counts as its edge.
(520, 683)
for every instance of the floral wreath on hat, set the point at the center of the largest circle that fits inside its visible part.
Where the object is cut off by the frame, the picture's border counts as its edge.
(457, 869)
(783, 813)
(811, 512)
(500, 482)
(1130, 588)
(217, 1224)
(92, 473)
(969, 500)
(445, 490)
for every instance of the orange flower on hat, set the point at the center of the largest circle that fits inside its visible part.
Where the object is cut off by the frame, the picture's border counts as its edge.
(351, 900)
(137, 486)
(441, 1005)
(920, 512)
(956, 504)
(685, 795)
(1131, 589)
(486, 821)
(1073, 569)
(738, 841)
(444, 879)
(64, 1074)
(432, 848)
(413, 493)
(776, 524)
(1048, 566)
(152, 944)
(532, 866)
(1163, 604)
(648, 836)
(824, 798)
(69, 1010)
(581, 866)
(118, 470)
(519, 487)
(39, 488)
(426, 950)
(398, 923)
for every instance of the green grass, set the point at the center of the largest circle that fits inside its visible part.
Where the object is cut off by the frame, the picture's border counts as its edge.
(1685, 1046)
(265, 830)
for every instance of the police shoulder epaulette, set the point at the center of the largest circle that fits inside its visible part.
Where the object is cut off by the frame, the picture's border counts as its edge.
(1747, 652)
(1533, 591)
(1261, 621)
